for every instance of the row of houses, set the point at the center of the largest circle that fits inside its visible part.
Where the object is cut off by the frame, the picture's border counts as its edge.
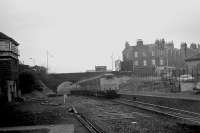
(147, 57)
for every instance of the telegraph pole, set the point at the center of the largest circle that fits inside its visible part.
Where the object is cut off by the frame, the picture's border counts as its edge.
(112, 61)
(167, 57)
(48, 55)
(47, 61)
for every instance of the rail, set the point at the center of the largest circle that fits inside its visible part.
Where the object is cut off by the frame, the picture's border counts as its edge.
(91, 127)
(172, 112)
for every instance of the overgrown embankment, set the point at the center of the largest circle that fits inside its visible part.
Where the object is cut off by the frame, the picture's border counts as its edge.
(152, 84)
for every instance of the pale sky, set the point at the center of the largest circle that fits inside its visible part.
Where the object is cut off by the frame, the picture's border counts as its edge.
(80, 34)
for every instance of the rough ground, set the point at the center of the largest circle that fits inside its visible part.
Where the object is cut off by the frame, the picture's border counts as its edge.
(111, 117)
(34, 113)
(145, 84)
(115, 118)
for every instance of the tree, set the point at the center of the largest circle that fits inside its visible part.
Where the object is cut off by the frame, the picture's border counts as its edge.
(27, 81)
(40, 69)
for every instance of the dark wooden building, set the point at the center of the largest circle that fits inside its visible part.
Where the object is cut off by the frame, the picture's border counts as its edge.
(9, 66)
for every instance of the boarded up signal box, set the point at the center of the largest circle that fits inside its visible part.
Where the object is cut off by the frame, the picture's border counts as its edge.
(9, 66)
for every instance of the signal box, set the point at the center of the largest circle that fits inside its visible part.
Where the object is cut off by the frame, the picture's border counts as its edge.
(9, 66)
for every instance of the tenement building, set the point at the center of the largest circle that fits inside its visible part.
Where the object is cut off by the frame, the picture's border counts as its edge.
(148, 57)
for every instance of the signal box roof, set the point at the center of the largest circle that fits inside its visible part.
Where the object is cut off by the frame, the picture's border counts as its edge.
(5, 37)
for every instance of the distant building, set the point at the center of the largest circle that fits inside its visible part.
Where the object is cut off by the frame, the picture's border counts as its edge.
(9, 66)
(118, 65)
(193, 64)
(100, 68)
(187, 52)
(90, 70)
(148, 57)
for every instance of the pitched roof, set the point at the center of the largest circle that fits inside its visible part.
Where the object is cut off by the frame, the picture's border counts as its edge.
(4, 36)
(193, 58)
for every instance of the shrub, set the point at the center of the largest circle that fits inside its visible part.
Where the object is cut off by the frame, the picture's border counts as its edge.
(27, 82)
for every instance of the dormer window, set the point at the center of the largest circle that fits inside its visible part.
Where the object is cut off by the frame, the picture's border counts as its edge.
(139, 42)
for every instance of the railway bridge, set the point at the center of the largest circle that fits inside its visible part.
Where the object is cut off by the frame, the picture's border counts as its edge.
(56, 79)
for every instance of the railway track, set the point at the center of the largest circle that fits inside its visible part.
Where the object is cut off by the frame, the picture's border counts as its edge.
(91, 127)
(188, 116)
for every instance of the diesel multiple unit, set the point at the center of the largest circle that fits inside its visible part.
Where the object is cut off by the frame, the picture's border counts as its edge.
(102, 85)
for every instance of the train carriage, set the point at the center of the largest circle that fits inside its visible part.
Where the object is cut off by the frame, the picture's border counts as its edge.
(109, 82)
(103, 85)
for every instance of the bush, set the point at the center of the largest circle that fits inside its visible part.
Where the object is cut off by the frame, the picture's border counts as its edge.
(27, 82)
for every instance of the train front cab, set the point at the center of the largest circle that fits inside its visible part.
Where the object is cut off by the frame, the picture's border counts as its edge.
(109, 85)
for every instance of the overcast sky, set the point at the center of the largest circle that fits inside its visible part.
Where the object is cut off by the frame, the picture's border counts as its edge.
(80, 34)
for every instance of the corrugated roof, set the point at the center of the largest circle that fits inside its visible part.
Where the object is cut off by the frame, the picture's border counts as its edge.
(193, 58)
(4, 36)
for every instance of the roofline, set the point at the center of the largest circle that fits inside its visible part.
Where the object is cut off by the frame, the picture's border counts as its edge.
(6, 37)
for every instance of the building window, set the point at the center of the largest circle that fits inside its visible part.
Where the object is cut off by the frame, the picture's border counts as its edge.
(136, 63)
(153, 62)
(161, 53)
(153, 53)
(144, 54)
(127, 55)
(136, 54)
(161, 62)
(145, 62)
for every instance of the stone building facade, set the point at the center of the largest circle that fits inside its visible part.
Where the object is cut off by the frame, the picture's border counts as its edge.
(148, 57)
(193, 64)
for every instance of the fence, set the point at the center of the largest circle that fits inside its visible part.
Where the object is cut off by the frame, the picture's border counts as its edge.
(167, 80)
